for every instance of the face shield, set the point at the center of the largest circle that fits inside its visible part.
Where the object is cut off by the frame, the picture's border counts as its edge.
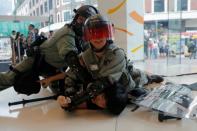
(98, 28)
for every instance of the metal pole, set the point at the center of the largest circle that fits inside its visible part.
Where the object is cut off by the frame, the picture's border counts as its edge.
(180, 32)
(49, 15)
(168, 33)
(19, 51)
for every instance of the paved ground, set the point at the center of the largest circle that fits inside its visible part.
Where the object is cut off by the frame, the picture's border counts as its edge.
(47, 115)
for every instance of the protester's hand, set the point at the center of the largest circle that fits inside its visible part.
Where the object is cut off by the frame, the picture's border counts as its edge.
(45, 82)
(63, 101)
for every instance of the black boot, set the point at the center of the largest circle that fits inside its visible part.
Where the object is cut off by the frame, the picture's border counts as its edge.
(155, 78)
(137, 92)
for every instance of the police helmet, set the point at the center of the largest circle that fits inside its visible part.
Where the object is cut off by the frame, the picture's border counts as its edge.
(86, 11)
(98, 27)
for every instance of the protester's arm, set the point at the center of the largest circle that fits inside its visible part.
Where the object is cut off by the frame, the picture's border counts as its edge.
(64, 102)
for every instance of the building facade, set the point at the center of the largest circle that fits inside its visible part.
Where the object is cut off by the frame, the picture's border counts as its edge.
(58, 11)
(170, 12)
(171, 25)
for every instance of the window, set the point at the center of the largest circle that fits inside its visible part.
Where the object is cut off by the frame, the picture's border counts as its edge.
(58, 17)
(51, 19)
(182, 5)
(65, 2)
(79, 0)
(41, 9)
(66, 15)
(45, 7)
(58, 3)
(37, 11)
(33, 2)
(158, 5)
(34, 13)
(50, 4)
(30, 5)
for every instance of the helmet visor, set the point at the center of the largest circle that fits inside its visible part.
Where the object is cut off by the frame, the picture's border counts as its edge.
(104, 30)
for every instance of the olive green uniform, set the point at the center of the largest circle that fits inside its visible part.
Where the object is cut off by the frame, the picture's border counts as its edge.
(112, 64)
(53, 50)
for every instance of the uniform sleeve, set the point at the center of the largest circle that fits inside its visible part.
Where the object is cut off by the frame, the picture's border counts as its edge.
(70, 83)
(66, 44)
(114, 64)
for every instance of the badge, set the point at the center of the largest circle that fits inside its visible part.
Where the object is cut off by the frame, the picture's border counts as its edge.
(94, 67)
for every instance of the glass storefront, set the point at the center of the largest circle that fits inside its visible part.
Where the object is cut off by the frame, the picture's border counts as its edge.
(171, 36)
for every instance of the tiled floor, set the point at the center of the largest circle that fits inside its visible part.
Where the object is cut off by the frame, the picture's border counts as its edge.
(49, 116)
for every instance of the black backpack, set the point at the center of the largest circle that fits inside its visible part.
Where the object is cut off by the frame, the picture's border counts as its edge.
(26, 83)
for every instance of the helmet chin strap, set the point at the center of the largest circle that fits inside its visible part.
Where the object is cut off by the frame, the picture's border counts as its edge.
(77, 27)
(99, 50)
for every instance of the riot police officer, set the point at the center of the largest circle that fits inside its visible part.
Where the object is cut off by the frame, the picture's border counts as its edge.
(54, 53)
(107, 65)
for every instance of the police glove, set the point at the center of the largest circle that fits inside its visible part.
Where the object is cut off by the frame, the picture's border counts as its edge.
(30, 52)
(72, 61)
(96, 87)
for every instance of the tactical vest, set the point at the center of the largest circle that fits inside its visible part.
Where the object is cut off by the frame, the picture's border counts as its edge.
(98, 68)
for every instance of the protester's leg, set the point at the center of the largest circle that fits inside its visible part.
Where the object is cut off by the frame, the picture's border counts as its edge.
(154, 78)
(139, 77)
(7, 79)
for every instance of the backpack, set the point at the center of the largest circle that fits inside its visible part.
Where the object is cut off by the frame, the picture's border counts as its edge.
(26, 83)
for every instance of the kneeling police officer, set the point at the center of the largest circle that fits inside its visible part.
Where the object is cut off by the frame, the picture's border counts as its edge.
(107, 85)
(110, 79)
(55, 53)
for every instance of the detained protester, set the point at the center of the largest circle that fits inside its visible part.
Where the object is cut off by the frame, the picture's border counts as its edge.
(53, 54)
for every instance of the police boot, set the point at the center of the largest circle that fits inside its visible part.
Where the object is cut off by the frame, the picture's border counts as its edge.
(136, 93)
(155, 78)
(7, 79)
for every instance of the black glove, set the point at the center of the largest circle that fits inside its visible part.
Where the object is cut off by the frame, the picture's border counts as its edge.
(72, 59)
(93, 89)
(82, 73)
(38, 41)
(30, 52)
(137, 92)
